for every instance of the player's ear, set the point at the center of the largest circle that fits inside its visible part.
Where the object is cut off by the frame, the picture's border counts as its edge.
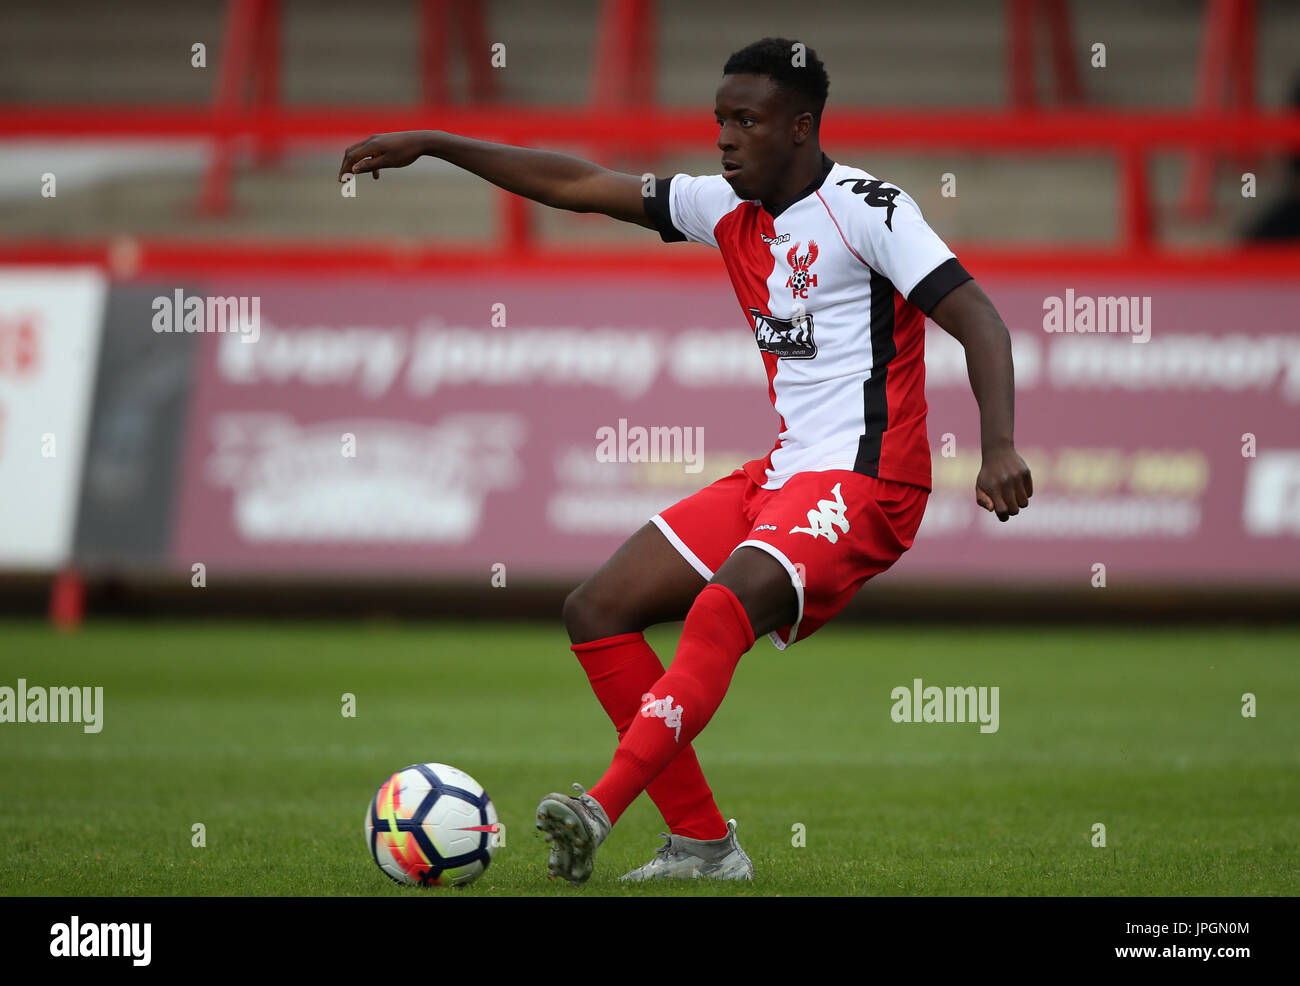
(803, 127)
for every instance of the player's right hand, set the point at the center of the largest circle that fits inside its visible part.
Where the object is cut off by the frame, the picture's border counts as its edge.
(383, 151)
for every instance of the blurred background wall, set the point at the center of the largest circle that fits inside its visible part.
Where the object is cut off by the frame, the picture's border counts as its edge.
(408, 417)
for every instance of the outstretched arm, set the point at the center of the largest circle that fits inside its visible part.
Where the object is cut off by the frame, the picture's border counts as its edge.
(553, 179)
(1004, 484)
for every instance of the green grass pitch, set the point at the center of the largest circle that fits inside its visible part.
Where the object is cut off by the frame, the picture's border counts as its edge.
(239, 726)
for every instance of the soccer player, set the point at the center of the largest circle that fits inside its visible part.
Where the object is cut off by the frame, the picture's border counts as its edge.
(835, 272)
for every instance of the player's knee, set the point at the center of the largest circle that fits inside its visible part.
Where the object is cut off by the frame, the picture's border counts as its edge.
(590, 614)
(763, 586)
(582, 616)
(574, 614)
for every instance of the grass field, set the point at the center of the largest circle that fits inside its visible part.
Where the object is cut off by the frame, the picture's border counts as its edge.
(238, 726)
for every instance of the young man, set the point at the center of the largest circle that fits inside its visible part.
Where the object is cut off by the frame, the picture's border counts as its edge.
(835, 272)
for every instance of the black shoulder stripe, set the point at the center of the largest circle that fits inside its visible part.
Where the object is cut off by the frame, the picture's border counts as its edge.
(930, 290)
(656, 209)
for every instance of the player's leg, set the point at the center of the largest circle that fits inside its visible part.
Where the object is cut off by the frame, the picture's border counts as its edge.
(654, 577)
(679, 704)
(647, 581)
(762, 585)
(750, 594)
(811, 547)
(718, 630)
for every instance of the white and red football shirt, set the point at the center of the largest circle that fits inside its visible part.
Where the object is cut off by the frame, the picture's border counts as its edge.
(836, 287)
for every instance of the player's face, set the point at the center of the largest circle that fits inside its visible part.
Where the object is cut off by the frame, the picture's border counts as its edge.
(756, 134)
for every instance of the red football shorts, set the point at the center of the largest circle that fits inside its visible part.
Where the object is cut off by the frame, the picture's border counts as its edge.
(831, 531)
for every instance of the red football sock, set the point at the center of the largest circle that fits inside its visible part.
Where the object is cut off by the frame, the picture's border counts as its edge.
(621, 669)
(676, 707)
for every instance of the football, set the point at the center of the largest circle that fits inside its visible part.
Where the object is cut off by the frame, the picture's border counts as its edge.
(432, 825)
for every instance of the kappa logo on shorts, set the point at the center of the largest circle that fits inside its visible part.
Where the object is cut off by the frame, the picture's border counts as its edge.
(664, 709)
(828, 516)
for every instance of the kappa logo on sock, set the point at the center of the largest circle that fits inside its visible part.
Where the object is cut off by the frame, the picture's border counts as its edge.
(665, 710)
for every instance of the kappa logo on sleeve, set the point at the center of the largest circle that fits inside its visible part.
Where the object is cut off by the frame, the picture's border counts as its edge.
(877, 194)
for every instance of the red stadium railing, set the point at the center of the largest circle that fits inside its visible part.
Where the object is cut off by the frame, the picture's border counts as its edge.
(1022, 68)
(126, 258)
(250, 73)
(1131, 138)
(1226, 79)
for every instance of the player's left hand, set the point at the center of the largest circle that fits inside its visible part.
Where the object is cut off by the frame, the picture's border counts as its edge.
(1004, 484)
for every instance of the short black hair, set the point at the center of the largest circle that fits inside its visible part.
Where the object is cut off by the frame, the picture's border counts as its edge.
(775, 57)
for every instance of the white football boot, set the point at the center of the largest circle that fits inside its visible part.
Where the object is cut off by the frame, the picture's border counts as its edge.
(688, 859)
(575, 828)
